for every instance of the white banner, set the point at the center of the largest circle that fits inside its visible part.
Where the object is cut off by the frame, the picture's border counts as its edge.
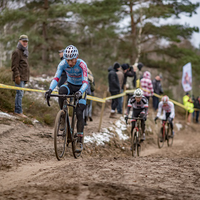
(187, 77)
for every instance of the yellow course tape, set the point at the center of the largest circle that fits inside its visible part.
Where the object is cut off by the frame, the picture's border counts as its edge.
(102, 100)
(43, 91)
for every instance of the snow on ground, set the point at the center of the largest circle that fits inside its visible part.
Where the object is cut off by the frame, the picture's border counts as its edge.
(104, 136)
(6, 115)
(179, 126)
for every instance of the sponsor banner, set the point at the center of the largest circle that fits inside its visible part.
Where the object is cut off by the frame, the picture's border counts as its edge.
(187, 77)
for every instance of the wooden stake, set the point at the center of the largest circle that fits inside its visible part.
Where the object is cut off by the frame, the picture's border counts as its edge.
(102, 110)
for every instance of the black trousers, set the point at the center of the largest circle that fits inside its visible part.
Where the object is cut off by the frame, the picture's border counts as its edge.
(114, 103)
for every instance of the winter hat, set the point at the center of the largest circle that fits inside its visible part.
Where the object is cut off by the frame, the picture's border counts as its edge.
(23, 38)
(125, 66)
(116, 65)
(140, 65)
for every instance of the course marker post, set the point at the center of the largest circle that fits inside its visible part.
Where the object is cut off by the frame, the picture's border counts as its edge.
(102, 110)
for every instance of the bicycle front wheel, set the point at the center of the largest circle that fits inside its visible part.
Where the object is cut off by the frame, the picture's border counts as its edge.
(169, 137)
(133, 144)
(60, 136)
(75, 148)
(161, 138)
(138, 139)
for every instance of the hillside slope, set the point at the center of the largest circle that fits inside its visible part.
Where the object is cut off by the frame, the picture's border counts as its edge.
(30, 170)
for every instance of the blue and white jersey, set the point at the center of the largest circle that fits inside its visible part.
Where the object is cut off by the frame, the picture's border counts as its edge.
(76, 75)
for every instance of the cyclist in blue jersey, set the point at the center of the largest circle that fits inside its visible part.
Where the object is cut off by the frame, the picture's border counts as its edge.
(77, 83)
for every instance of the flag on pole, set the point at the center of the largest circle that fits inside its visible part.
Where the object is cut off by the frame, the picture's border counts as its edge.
(187, 77)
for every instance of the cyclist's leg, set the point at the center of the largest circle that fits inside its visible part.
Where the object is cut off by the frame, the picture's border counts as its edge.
(64, 89)
(142, 114)
(143, 129)
(172, 127)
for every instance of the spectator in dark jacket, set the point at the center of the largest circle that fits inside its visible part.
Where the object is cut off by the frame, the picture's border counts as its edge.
(128, 72)
(197, 105)
(114, 87)
(157, 87)
(21, 72)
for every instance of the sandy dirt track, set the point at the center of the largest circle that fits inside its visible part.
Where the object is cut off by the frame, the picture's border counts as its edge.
(30, 170)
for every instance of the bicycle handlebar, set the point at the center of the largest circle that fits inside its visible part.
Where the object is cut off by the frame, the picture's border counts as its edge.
(60, 95)
(162, 120)
(138, 118)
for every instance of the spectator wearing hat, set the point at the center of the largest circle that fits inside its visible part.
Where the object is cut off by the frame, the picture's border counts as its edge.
(114, 87)
(120, 74)
(21, 71)
(146, 85)
(128, 72)
(157, 87)
(63, 77)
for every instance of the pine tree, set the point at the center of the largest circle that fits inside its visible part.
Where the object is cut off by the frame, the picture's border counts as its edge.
(159, 42)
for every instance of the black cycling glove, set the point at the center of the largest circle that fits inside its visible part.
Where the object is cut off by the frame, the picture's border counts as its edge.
(78, 95)
(48, 94)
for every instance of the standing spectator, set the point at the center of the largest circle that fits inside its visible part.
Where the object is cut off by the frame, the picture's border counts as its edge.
(21, 72)
(146, 85)
(63, 77)
(157, 88)
(131, 81)
(128, 72)
(197, 105)
(87, 113)
(92, 87)
(120, 74)
(188, 103)
(114, 87)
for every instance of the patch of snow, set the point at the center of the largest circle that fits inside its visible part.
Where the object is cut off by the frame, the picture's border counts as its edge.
(6, 115)
(107, 133)
(179, 126)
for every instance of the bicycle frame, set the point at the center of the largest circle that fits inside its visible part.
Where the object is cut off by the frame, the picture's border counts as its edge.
(65, 108)
(164, 134)
(135, 141)
(165, 129)
(68, 131)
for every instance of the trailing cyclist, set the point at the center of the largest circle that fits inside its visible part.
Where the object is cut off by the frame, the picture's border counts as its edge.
(168, 111)
(139, 103)
(77, 83)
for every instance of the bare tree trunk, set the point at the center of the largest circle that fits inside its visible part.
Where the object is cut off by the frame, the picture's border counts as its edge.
(139, 38)
(133, 33)
(44, 33)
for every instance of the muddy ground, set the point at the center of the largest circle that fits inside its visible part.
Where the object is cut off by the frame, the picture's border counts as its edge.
(30, 170)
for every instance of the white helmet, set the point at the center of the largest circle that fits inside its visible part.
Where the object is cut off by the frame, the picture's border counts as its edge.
(138, 93)
(70, 52)
(165, 99)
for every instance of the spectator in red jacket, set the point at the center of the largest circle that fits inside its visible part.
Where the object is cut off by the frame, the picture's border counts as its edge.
(146, 85)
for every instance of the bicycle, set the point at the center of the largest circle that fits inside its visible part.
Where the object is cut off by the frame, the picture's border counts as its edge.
(63, 137)
(135, 137)
(164, 134)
